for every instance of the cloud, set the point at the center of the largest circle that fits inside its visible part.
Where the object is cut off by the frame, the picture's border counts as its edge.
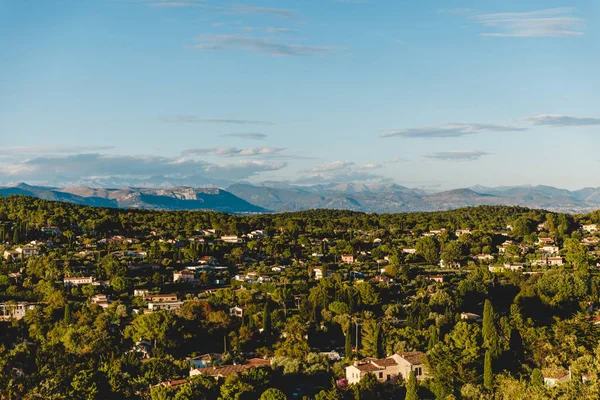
(331, 166)
(451, 130)
(458, 155)
(396, 160)
(268, 30)
(558, 120)
(245, 9)
(248, 135)
(260, 45)
(177, 4)
(552, 22)
(369, 166)
(51, 149)
(192, 119)
(93, 165)
(234, 152)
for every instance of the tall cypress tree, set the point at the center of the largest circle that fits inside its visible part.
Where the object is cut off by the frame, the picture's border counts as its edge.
(267, 319)
(487, 370)
(348, 344)
(67, 314)
(433, 337)
(411, 387)
(489, 331)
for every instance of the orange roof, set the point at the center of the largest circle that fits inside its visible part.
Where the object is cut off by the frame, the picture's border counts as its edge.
(413, 357)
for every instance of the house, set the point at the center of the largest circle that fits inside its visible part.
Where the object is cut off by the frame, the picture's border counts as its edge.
(543, 241)
(101, 300)
(460, 232)
(505, 267)
(555, 376)
(206, 360)
(555, 261)
(484, 257)
(453, 265)
(160, 298)
(78, 281)
(590, 241)
(331, 355)
(347, 259)
(28, 251)
(140, 292)
(11, 255)
(236, 312)
(183, 276)
(174, 384)
(470, 317)
(231, 239)
(411, 361)
(390, 369)
(409, 250)
(165, 305)
(223, 371)
(590, 228)
(207, 260)
(15, 310)
(436, 278)
(321, 272)
(549, 249)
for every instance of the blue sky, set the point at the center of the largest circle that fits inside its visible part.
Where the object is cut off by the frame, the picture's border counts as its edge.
(438, 94)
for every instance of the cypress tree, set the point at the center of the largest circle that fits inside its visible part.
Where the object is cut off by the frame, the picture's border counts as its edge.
(487, 370)
(489, 332)
(15, 236)
(348, 344)
(67, 314)
(411, 387)
(433, 337)
(266, 319)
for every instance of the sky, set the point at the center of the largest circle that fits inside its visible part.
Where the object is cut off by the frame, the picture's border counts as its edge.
(430, 94)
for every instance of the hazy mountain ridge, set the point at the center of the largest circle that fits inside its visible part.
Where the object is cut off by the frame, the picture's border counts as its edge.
(381, 198)
(178, 198)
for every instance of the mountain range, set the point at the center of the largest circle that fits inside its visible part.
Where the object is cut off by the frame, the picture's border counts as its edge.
(280, 197)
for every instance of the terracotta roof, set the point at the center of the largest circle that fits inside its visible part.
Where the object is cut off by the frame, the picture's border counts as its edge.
(384, 362)
(223, 370)
(367, 367)
(172, 384)
(256, 362)
(414, 357)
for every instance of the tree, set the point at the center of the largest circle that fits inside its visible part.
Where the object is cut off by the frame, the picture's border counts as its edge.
(348, 343)
(266, 319)
(451, 252)
(273, 394)
(371, 339)
(433, 337)
(487, 370)
(489, 331)
(156, 326)
(537, 379)
(429, 248)
(412, 387)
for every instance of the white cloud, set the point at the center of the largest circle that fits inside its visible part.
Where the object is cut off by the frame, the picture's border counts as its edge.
(81, 166)
(458, 155)
(558, 120)
(192, 119)
(552, 22)
(332, 166)
(261, 45)
(369, 166)
(51, 149)
(234, 152)
(451, 130)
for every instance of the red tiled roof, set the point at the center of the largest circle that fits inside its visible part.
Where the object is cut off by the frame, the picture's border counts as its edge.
(413, 357)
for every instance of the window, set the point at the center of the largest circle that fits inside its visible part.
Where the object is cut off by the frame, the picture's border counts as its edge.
(381, 375)
(418, 371)
(389, 377)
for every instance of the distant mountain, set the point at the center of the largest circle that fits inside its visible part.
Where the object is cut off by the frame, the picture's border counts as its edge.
(279, 197)
(178, 198)
(396, 198)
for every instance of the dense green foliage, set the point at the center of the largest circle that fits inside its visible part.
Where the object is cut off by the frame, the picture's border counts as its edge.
(536, 321)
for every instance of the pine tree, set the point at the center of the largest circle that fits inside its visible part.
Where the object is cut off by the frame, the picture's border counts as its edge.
(412, 387)
(267, 319)
(489, 331)
(348, 344)
(487, 370)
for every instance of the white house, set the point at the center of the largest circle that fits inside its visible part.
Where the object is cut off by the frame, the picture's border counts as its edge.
(590, 228)
(390, 369)
(183, 276)
(78, 280)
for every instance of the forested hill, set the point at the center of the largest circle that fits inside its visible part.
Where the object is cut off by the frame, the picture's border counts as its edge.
(47, 213)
